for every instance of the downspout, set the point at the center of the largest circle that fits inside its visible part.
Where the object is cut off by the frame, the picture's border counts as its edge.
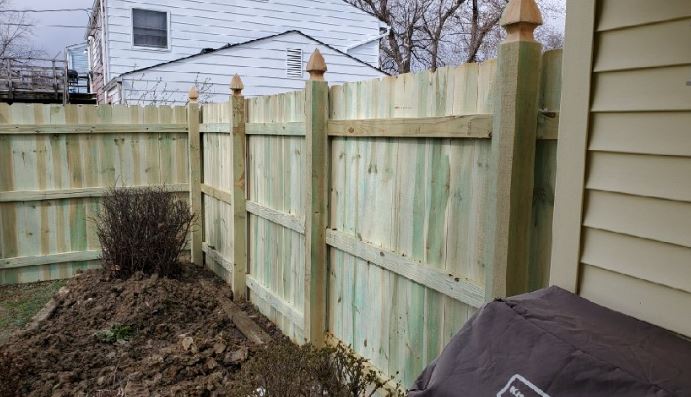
(89, 60)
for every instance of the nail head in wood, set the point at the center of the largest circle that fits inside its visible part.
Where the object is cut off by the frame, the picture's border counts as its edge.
(520, 18)
(193, 94)
(236, 85)
(316, 66)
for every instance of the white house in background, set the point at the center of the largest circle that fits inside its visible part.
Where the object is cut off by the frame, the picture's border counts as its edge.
(153, 51)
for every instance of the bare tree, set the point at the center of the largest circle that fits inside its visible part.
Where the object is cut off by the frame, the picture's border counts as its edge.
(478, 28)
(435, 18)
(404, 19)
(479, 34)
(157, 92)
(433, 33)
(15, 33)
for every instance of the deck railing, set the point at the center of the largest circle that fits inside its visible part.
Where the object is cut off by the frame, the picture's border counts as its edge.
(37, 79)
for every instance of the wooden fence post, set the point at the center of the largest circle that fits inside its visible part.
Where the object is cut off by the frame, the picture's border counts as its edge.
(513, 151)
(239, 192)
(316, 199)
(195, 175)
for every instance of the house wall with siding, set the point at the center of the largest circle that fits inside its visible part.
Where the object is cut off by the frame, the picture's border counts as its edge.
(632, 244)
(198, 24)
(261, 64)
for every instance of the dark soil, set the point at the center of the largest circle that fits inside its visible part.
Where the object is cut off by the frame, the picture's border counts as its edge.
(139, 337)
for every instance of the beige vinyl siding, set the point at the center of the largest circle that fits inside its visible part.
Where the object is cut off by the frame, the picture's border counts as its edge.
(616, 14)
(654, 46)
(636, 221)
(641, 133)
(649, 301)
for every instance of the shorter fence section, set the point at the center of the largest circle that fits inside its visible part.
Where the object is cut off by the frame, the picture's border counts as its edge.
(57, 161)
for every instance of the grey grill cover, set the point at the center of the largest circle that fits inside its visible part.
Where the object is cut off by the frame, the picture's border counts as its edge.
(554, 343)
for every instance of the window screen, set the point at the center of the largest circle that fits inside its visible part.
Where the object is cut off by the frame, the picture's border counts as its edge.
(150, 28)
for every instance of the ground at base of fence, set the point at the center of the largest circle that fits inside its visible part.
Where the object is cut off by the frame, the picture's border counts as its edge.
(138, 337)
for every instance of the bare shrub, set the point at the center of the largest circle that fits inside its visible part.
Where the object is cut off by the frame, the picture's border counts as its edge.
(285, 369)
(142, 230)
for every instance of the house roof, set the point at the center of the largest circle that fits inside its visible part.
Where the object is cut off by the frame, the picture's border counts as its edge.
(228, 46)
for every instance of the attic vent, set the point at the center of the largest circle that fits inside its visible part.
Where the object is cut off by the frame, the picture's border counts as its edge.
(294, 63)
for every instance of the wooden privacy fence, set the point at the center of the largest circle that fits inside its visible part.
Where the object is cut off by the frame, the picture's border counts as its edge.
(380, 213)
(55, 163)
(383, 213)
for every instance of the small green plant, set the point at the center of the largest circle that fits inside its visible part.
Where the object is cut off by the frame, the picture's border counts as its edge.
(115, 333)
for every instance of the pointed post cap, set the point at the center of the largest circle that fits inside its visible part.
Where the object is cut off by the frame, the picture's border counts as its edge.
(520, 18)
(236, 85)
(193, 94)
(316, 66)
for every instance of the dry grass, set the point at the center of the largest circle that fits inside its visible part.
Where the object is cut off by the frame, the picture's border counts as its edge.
(19, 303)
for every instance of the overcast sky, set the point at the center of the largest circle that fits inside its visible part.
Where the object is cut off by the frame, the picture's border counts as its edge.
(50, 38)
(72, 27)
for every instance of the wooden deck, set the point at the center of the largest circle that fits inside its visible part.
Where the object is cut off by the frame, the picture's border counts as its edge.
(41, 81)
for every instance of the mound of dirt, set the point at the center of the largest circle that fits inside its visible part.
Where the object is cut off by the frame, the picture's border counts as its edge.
(138, 337)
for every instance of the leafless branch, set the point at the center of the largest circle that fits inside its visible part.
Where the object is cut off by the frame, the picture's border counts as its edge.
(15, 34)
(434, 33)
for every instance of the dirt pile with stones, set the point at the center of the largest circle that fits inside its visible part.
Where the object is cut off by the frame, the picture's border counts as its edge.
(138, 337)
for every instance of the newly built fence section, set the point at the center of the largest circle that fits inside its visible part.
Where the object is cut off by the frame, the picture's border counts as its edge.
(408, 171)
(363, 210)
(409, 175)
(55, 163)
(276, 204)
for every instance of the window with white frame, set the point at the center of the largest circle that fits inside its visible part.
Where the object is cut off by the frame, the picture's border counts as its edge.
(149, 28)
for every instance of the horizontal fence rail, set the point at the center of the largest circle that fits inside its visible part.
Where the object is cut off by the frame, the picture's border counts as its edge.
(93, 129)
(59, 194)
(466, 126)
(446, 283)
(287, 129)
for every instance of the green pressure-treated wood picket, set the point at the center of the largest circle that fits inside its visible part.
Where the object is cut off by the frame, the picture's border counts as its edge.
(55, 163)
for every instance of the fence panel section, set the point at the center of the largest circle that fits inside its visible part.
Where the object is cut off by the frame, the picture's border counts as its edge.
(275, 183)
(55, 163)
(216, 188)
(406, 217)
